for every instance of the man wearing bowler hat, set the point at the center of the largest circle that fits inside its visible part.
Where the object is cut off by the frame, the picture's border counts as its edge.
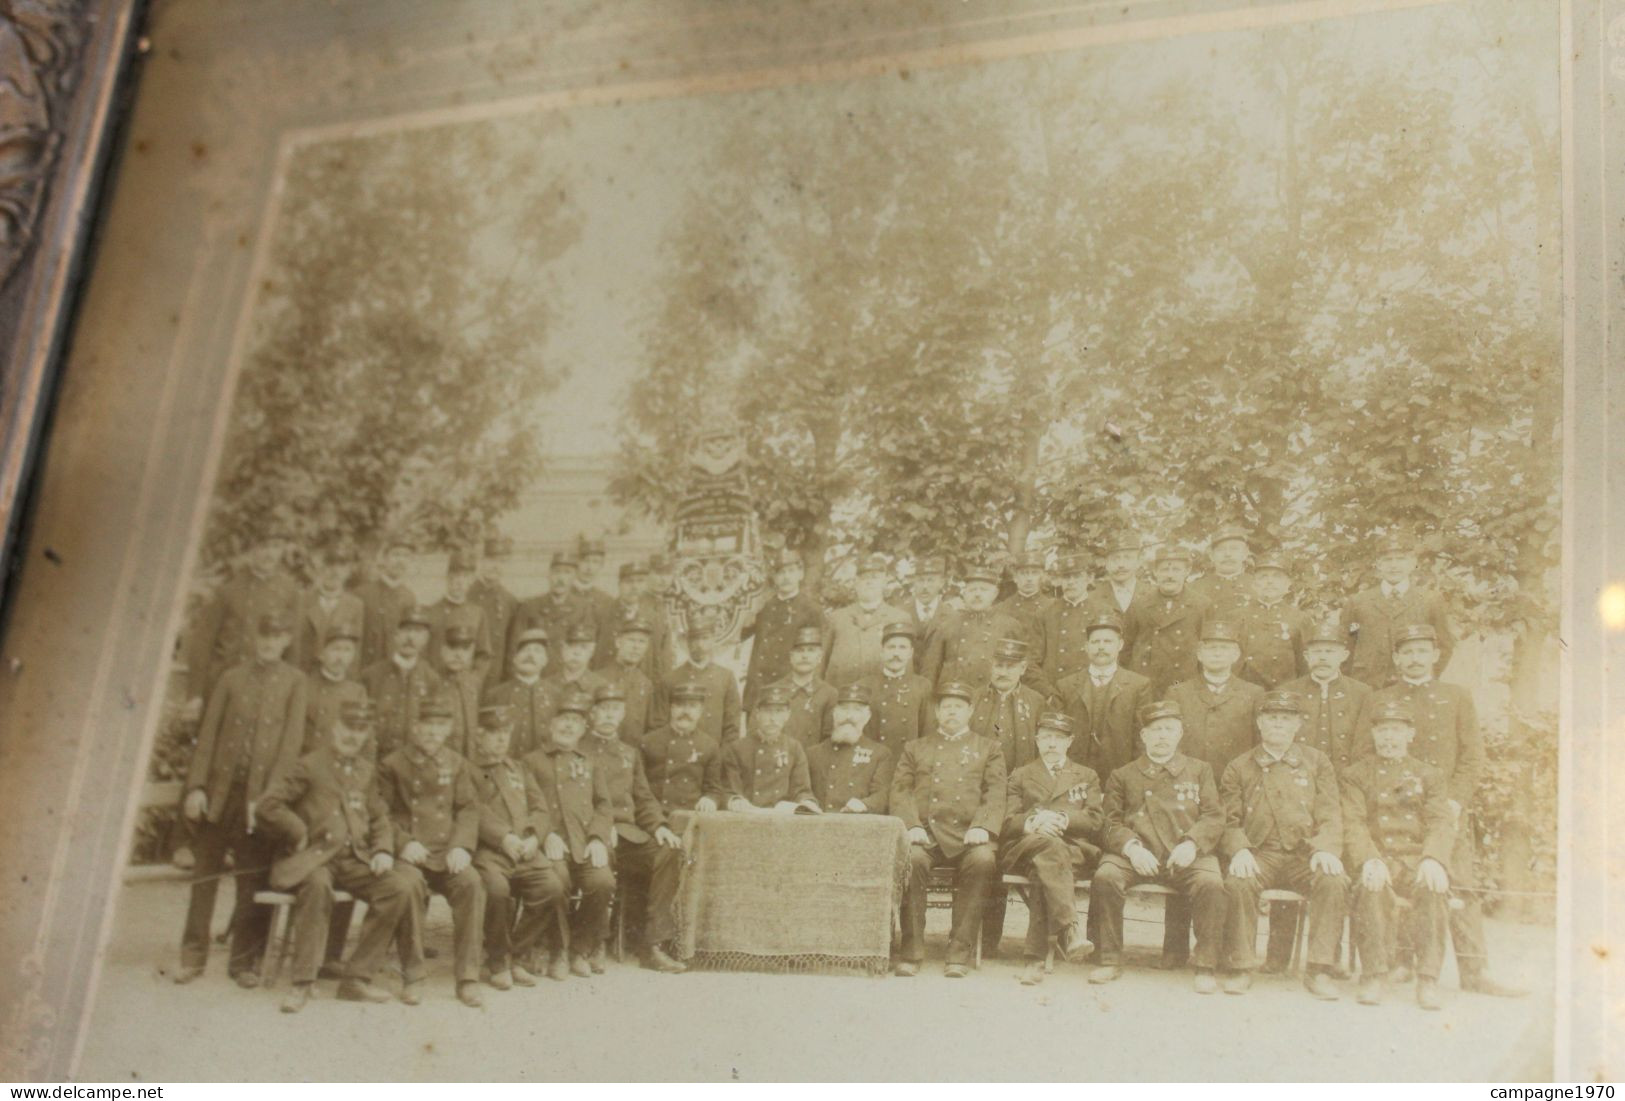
(901, 703)
(851, 773)
(1121, 589)
(1167, 627)
(778, 623)
(457, 609)
(1374, 615)
(326, 607)
(385, 596)
(949, 790)
(555, 609)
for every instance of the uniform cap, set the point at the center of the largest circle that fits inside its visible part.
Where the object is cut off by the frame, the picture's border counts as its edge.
(1010, 649)
(1228, 532)
(809, 636)
(495, 717)
(980, 571)
(773, 695)
(1027, 560)
(357, 714)
(703, 618)
(531, 634)
(1393, 711)
(934, 565)
(1159, 709)
(1055, 720)
(1413, 632)
(856, 692)
(1169, 552)
(564, 558)
(1071, 564)
(1329, 631)
(1396, 542)
(1281, 701)
(956, 688)
(1105, 620)
(785, 556)
(458, 635)
(633, 623)
(1273, 560)
(574, 699)
(461, 560)
(415, 615)
(1218, 630)
(580, 631)
(498, 546)
(1124, 541)
(585, 546)
(690, 693)
(873, 563)
(436, 705)
(608, 693)
(341, 631)
(898, 630)
(275, 623)
(633, 569)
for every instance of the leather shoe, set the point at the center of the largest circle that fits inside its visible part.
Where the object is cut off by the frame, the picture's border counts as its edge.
(1105, 973)
(955, 970)
(1204, 983)
(521, 977)
(1033, 973)
(294, 1000)
(411, 993)
(1321, 986)
(596, 961)
(188, 974)
(1074, 945)
(332, 969)
(1370, 991)
(469, 994)
(558, 968)
(905, 969)
(1237, 982)
(579, 967)
(354, 990)
(1427, 994)
(1483, 984)
(660, 960)
(500, 980)
(248, 980)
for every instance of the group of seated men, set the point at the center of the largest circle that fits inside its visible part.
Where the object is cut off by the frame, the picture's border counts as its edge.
(512, 788)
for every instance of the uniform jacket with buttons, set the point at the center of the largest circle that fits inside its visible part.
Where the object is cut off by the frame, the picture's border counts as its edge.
(382, 604)
(1164, 805)
(812, 711)
(765, 774)
(950, 785)
(640, 693)
(963, 649)
(510, 803)
(773, 632)
(395, 694)
(1167, 630)
(1224, 596)
(530, 708)
(682, 768)
(1398, 810)
(1372, 618)
(1272, 642)
(841, 773)
(636, 811)
(253, 728)
(1447, 733)
(1219, 726)
(901, 708)
(433, 801)
(719, 717)
(330, 802)
(223, 635)
(465, 689)
(1029, 611)
(469, 615)
(577, 797)
(1063, 632)
(1107, 719)
(323, 698)
(853, 642)
(1015, 730)
(604, 613)
(554, 612)
(315, 621)
(1332, 716)
(1074, 791)
(499, 605)
(1103, 598)
(1287, 805)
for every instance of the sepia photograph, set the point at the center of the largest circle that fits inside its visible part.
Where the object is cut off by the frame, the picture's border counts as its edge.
(747, 542)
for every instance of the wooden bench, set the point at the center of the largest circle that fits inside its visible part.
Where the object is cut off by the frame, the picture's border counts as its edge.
(279, 945)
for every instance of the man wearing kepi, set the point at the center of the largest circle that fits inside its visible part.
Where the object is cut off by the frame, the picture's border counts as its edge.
(778, 623)
(329, 810)
(1396, 816)
(681, 760)
(901, 707)
(949, 790)
(850, 773)
(1163, 821)
(252, 731)
(1051, 834)
(719, 691)
(1283, 830)
(767, 769)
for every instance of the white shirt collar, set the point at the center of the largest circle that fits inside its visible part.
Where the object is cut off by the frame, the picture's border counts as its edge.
(1396, 590)
(1101, 678)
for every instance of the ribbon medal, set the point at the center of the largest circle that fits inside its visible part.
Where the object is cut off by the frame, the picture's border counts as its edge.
(1077, 793)
(862, 756)
(1188, 791)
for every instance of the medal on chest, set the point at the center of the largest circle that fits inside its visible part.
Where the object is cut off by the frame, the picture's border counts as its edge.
(862, 756)
(1077, 793)
(355, 800)
(967, 754)
(578, 768)
(781, 759)
(444, 775)
(1188, 791)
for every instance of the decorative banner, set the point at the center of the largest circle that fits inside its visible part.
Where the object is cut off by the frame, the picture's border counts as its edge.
(716, 542)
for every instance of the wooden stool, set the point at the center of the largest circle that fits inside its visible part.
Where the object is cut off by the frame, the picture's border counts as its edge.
(1022, 884)
(279, 945)
(1300, 930)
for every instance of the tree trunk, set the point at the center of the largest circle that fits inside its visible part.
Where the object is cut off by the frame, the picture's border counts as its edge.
(1021, 520)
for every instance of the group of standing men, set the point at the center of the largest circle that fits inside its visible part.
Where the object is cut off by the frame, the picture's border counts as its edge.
(510, 754)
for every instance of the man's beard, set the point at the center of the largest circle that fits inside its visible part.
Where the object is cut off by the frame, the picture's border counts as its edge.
(846, 733)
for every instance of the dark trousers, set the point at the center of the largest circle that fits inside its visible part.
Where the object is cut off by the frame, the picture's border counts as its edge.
(1199, 883)
(391, 903)
(1328, 905)
(647, 872)
(252, 854)
(466, 894)
(1467, 923)
(1377, 922)
(590, 919)
(536, 887)
(975, 870)
(1052, 900)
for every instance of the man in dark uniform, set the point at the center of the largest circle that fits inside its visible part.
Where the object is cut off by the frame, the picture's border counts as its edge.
(647, 854)
(1447, 737)
(327, 807)
(928, 609)
(1029, 600)
(900, 701)
(457, 609)
(662, 642)
(681, 760)
(600, 604)
(780, 620)
(330, 686)
(400, 681)
(1167, 627)
(1063, 626)
(384, 596)
(1120, 590)
(1400, 834)
(1226, 586)
(557, 608)
(949, 790)
(854, 631)
(574, 667)
(1052, 832)
(1163, 821)
(1272, 627)
(1283, 830)
(719, 720)
(1334, 703)
(1375, 615)
(851, 773)
(252, 730)
(225, 633)
(767, 769)
(962, 650)
(1104, 699)
(513, 822)
(464, 685)
(626, 674)
(435, 806)
(583, 830)
(810, 698)
(1219, 709)
(497, 601)
(327, 607)
(529, 697)
(1006, 709)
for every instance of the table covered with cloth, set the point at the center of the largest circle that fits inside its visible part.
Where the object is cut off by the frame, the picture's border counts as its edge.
(779, 892)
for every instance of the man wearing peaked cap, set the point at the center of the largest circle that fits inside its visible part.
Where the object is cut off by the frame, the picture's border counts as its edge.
(1029, 600)
(457, 609)
(783, 614)
(850, 772)
(1220, 709)
(766, 770)
(634, 603)
(252, 730)
(1063, 624)
(1103, 698)
(497, 602)
(1051, 835)
(1006, 709)
(327, 607)
(810, 698)
(1398, 599)
(1225, 586)
(1447, 737)
(854, 631)
(949, 790)
(902, 704)
(1166, 627)
(529, 697)
(223, 634)
(683, 762)
(1334, 703)
(401, 678)
(1400, 839)
(555, 609)
(330, 684)
(1283, 830)
(464, 685)
(719, 718)
(599, 607)
(928, 607)
(573, 667)
(384, 596)
(1272, 627)
(962, 650)
(1122, 589)
(627, 673)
